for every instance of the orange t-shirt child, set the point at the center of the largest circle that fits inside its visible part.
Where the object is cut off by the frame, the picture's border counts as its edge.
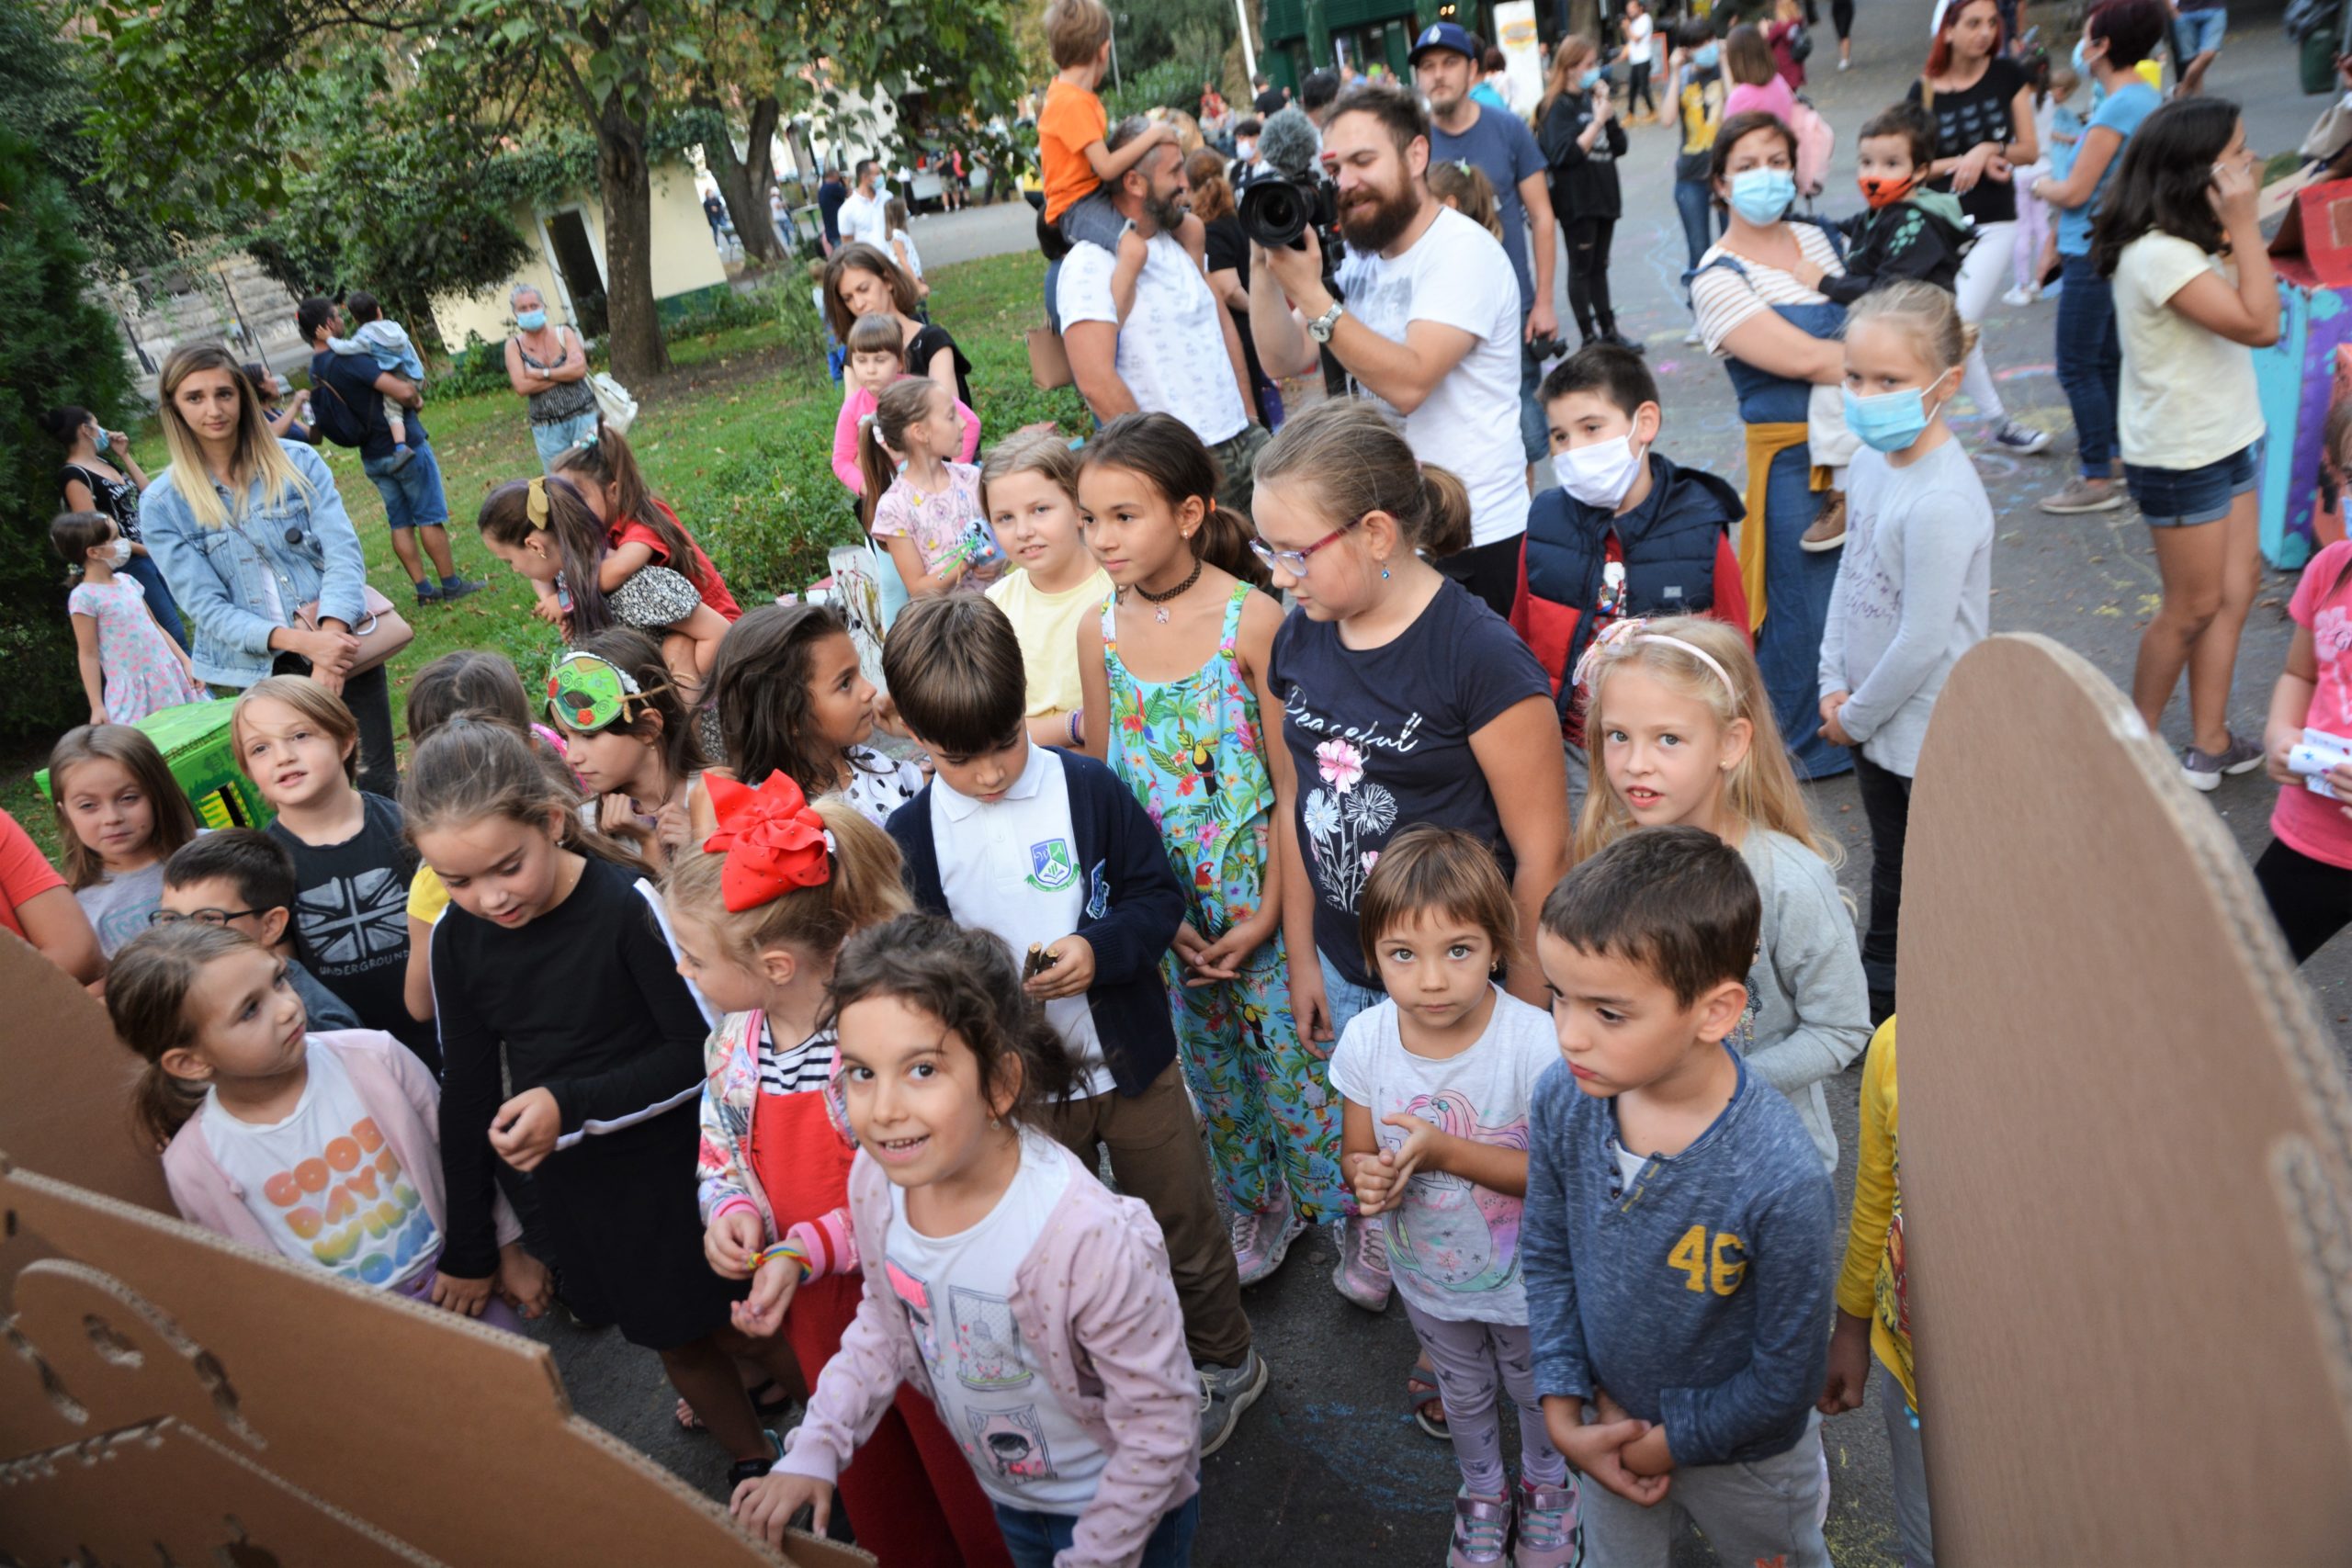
(1076, 202)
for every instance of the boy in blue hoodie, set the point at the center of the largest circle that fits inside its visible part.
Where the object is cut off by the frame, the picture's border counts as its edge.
(1679, 1237)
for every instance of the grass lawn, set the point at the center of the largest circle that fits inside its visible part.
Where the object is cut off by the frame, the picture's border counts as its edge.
(738, 438)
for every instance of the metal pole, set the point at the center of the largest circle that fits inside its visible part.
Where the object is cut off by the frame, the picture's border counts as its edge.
(1117, 84)
(1248, 55)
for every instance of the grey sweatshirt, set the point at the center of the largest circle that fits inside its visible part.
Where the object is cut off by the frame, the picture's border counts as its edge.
(1809, 1011)
(1699, 1293)
(1914, 593)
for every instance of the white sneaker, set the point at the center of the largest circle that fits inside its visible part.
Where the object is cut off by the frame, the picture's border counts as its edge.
(1691, 338)
(2021, 297)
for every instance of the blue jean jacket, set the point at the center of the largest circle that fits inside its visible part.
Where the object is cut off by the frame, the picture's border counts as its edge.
(237, 584)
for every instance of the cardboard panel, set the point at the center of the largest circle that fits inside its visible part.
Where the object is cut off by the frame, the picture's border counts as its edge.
(2126, 1153)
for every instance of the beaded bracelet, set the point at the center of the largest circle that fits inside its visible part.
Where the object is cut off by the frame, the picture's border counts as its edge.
(1077, 726)
(788, 1248)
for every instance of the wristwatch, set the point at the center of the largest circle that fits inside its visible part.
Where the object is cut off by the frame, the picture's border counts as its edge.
(1321, 327)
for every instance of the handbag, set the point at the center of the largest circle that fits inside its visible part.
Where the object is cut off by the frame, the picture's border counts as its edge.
(381, 631)
(613, 404)
(1048, 360)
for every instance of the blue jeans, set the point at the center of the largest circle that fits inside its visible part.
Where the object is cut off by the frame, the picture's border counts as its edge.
(413, 497)
(1534, 430)
(2198, 32)
(554, 440)
(1344, 998)
(1797, 609)
(143, 571)
(1032, 1540)
(1695, 203)
(2090, 362)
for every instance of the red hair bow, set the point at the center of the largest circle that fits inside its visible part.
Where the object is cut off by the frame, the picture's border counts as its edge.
(773, 839)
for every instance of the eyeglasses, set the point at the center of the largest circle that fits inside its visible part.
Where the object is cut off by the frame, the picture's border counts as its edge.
(201, 916)
(1293, 562)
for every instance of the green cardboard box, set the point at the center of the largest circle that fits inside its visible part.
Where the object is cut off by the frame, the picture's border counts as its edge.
(194, 739)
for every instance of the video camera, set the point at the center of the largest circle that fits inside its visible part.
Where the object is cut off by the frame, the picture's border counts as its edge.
(1289, 195)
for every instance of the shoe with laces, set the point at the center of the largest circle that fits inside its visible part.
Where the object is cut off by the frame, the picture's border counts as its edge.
(1549, 1535)
(2020, 440)
(2084, 495)
(1481, 1530)
(1691, 338)
(1362, 1273)
(1828, 530)
(2021, 297)
(2203, 769)
(1225, 1393)
(1260, 1240)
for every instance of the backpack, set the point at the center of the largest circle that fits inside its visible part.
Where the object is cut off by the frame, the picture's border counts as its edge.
(1801, 45)
(1817, 144)
(332, 417)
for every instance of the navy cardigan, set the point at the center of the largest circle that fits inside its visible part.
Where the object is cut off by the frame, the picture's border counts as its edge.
(1134, 906)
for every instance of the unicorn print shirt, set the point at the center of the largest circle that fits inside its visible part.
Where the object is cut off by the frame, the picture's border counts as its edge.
(1452, 1244)
(988, 1382)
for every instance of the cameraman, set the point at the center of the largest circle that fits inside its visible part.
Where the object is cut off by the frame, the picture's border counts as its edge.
(1430, 328)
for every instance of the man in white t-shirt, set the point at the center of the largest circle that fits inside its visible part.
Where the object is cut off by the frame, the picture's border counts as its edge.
(1430, 326)
(861, 220)
(1178, 352)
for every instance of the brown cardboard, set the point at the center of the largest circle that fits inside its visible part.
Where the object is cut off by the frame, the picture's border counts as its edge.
(2126, 1152)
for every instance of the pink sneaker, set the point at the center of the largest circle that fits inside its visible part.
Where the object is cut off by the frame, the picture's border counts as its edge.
(1481, 1529)
(1362, 1273)
(1549, 1535)
(1261, 1240)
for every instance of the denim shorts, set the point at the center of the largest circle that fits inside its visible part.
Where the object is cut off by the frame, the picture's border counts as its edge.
(2180, 498)
(2198, 32)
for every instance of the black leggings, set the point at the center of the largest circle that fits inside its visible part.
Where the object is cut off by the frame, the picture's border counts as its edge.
(1841, 16)
(1886, 804)
(1637, 89)
(1588, 274)
(2310, 899)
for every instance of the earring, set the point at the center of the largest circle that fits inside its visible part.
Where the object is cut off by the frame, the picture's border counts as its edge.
(1384, 574)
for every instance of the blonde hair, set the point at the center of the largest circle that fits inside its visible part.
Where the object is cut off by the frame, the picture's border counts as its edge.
(1568, 58)
(259, 454)
(1352, 461)
(863, 890)
(1076, 31)
(1466, 186)
(1928, 315)
(137, 756)
(314, 702)
(1043, 452)
(1762, 789)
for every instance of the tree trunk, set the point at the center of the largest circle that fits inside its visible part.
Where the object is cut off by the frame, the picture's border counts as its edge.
(743, 181)
(633, 335)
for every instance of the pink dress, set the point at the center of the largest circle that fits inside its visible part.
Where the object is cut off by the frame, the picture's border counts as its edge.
(141, 668)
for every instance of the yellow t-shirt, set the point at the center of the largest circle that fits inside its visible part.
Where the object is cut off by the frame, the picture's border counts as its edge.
(2187, 395)
(1046, 626)
(1872, 1284)
(426, 897)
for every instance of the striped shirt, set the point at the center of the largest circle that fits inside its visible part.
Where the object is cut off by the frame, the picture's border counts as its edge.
(806, 1068)
(1721, 299)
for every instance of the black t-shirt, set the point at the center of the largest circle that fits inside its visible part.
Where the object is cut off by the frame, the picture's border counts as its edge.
(1229, 247)
(117, 497)
(925, 344)
(1380, 738)
(1979, 114)
(351, 920)
(352, 376)
(1268, 102)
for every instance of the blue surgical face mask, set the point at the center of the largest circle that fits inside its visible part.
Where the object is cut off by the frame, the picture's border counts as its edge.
(1890, 421)
(104, 440)
(1763, 196)
(1587, 79)
(1705, 56)
(530, 320)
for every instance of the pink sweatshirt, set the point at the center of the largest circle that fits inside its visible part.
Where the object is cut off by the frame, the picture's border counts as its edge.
(1094, 1295)
(1772, 97)
(858, 406)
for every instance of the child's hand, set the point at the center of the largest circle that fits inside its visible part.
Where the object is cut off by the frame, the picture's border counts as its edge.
(1377, 1185)
(761, 1313)
(764, 1505)
(523, 1280)
(1647, 1456)
(1597, 1450)
(1188, 945)
(98, 715)
(523, 1131)
(730, 1241)
(1308, 1004)
(1071, 974)
(1424, 1143)
(549, 609)
(672, 828)
(1831, 729)
(1849, 1366)
(2276, 745)
(464, 1297)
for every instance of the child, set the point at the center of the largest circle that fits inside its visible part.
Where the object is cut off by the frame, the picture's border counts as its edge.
(1687, 737)
(1075, 163)
(130, 667)
(1029, 1304)
(2306, 873)
(1048, 850)
(1873, 1306)
(1435, 1089)
(300, 746)
(760, 912)
(1908, 230)
(251, 1104)
(1677, 1232)
(877, 356)
(1029, 490)
(1914, 592)
(792, 698)
(1464, 187)
(386, 343)
(629, 740)
(1187, 725)
(1629, 532)
(923, 507)
(2194, 297)
(903, 244)
(640, 528)
(2057, 131)
(121, 815)
(244, 879)
(547, 532)
(552, 979)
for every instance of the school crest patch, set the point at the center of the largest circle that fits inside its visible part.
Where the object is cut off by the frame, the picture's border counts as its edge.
(1050, 865)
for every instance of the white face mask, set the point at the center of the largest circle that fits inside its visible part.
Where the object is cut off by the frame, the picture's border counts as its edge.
(119, 553)
(1600, 474)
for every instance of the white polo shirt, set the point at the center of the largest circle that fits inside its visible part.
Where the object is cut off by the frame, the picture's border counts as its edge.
(1012, 867)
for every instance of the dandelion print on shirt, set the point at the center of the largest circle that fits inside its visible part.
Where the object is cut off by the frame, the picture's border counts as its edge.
(1347, 819)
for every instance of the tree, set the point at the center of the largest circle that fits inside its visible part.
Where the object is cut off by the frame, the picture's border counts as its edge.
(55, 348)
(46, 97)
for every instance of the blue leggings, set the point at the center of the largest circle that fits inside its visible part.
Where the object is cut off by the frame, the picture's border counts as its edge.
(1796, 610)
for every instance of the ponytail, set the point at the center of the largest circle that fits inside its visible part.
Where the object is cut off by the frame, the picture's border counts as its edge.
(1445, 500)
(1345, 458)
(1161, 450)
(1222, 541)
(900, 404)
(605, 461)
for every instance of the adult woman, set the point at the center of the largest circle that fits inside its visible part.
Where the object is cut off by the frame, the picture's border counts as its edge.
(1759, 306)
(100, 475)
(860, 281)
(1228, 269)
(1785, 37)
(1639, 52)
(2116, 36)
(1582, 139)
(249, 530)
(281, 409)
(1756, 84)
(1215, 120)
(548, 366)
(1983, 106)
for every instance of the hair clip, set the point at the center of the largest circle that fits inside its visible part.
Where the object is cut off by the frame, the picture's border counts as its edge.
(535, 507)
(1620, 636)
(773, 839)
(589, 691)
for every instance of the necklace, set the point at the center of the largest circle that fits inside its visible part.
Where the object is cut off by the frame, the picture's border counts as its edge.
(1160, 601)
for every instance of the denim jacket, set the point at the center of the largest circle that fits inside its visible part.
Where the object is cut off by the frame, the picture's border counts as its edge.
(237, 584)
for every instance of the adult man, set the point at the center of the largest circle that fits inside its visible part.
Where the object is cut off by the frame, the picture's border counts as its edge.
(831, 193)
(861, 213)
(1445, 67)
(1430, 328)
(1318, 94)
(414, 503)
(714, 212)
(1269, 98)
(1179, 353)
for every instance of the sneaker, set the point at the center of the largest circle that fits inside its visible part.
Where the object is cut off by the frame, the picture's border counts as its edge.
(1548, 1533)
(401, 457)
(1845, 65)
(427, 591)
(1691, 338)
(2020, 440)
(2085, 495)
(1225, 1393)
(459, 587)
(1362, 1273)
(1481, 1529)
(1828, 530)
(1259, 1241)
(2021, 297)
(2203, 769)
(744, 1470)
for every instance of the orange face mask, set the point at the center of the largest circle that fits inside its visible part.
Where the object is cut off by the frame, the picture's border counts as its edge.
(1884, 190)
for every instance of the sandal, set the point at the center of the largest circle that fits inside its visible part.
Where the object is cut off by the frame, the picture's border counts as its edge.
(1429, 1405)
(769, 1400)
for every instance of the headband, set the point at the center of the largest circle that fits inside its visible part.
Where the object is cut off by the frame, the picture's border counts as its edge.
(1620, 636)
(773, 839)
(535, 506)
(589, 692)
